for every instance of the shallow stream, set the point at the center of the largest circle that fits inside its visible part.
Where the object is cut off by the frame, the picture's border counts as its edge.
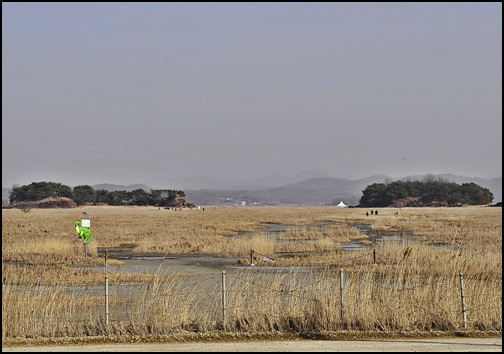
(211, 264)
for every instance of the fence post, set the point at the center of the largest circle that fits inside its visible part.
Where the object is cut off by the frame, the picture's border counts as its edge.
(374, 256)
(224, 299)
(106, 301)
(251, 255)
(106, 256)
(462, 299)
(341, 291)
(85, 249)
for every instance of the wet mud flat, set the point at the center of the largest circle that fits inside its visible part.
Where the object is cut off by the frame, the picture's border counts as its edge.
(211, 264)
(161, 263)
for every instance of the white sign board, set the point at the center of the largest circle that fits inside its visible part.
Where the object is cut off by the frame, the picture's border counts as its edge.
(86, 222)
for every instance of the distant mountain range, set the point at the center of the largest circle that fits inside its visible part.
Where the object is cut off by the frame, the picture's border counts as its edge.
(205, 182)
(306, 188)
(120, 187)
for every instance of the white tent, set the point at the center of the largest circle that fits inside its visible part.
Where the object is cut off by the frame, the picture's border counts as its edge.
(341, 205)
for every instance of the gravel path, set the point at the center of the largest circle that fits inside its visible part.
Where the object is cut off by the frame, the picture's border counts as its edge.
(392, 345)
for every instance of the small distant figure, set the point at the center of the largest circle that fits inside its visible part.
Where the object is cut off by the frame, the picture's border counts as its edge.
(371, 212)
(397, 213)
(203, 209)
(367, 213)
(376, 212)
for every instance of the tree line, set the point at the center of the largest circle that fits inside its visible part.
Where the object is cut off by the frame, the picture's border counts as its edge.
(86, 194)
(430, 191)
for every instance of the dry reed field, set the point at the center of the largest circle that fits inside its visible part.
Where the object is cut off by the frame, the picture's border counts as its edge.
(314, 285)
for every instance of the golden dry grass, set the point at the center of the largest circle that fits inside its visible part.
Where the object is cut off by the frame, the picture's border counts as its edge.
(414, 286)
(50, 231)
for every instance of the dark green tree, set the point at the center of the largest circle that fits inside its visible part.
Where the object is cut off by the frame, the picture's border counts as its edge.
(373, 195)
(139, 197)
(476, 195)
(83, 194)
(119, 197)
(431, 191)
(154, 197)
(163, 197)
(101, 196)
(40, 190)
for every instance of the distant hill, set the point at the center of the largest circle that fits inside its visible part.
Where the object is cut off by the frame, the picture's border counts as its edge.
(312, 191)
(205, 182)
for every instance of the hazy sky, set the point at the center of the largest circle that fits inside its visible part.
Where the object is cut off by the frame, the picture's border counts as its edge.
(123, 92)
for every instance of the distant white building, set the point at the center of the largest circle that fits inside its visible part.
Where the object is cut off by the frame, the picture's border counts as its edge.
(341, 205)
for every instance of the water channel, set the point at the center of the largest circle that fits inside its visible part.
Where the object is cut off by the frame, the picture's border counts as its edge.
(211, 264)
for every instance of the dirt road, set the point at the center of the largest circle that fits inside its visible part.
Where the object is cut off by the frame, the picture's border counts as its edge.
(455, 344)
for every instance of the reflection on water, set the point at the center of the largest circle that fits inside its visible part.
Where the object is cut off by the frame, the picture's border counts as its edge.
(375, 238)
(274, 230)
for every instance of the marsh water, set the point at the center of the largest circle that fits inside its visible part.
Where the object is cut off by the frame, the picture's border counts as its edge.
(211, 264)
(275, 230)
(206, 270)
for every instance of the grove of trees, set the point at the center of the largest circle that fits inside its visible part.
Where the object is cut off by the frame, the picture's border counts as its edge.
(428, 192)
(86, 194)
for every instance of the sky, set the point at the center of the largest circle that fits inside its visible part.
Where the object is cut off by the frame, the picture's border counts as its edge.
(124, 92)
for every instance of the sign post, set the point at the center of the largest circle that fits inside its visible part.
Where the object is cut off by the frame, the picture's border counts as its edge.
(82, 229)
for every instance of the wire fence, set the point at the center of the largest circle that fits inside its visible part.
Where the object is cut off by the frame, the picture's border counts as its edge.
(330, 297)
(365, 297)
